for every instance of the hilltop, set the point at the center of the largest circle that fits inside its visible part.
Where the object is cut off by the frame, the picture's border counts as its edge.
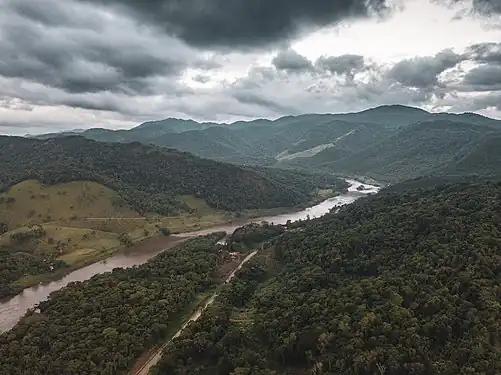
(379, 142)
(149, 179)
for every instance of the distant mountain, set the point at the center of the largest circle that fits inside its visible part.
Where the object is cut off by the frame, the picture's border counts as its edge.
(150, 178)
(387, 142)
(65, 133)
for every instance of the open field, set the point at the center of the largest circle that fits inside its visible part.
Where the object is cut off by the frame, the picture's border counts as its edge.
(30, 202)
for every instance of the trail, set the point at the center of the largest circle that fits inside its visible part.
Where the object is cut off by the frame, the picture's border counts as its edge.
(157, 355)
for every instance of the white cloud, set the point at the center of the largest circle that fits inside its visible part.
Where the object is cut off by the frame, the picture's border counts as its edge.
(350, 69)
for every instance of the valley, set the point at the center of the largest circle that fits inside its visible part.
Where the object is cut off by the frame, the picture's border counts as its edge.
(255, 255)
(68, 203)
(250, 187)
(14, 308)
(142, 262)
(398, 283)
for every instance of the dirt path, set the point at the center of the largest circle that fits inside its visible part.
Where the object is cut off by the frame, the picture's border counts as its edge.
(157, 355)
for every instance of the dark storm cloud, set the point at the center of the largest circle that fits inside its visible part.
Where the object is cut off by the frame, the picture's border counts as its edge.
(489, 53)
(88, 57)
(243, 23)
(52, 13)
(291, 61)
(96, 104)
(423, 72)
(257, 99)
(485, 75)
(344, 64)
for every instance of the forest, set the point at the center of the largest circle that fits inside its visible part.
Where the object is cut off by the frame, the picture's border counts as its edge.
(150, 179)
(388, 143)
(403, 283)
(103, 325)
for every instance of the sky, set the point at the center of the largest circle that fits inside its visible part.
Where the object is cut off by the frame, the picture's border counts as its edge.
(78, 64)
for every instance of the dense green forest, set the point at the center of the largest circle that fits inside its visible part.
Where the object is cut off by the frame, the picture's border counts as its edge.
(403, 283)
(390, 143)
(429, 148)
(150, 178)
(102, 325)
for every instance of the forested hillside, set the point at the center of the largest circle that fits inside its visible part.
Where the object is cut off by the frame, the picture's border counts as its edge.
(150, 179)
(390, 143)
(403, 283)
(437, 147)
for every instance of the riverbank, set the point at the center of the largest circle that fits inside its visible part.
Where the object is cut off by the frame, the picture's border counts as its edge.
(85, 258)
(183, 224)
(31, 280)
(14, 308)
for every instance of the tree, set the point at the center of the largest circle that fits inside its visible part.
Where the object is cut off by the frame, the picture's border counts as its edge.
(125, 239)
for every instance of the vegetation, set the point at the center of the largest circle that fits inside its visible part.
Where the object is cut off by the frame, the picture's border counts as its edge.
(387, 143)
(21, 257)
(433, 148)
(403, 283)
(30, 202)
(149, 179)
(101, 326)
(250, 236)
(39, 252)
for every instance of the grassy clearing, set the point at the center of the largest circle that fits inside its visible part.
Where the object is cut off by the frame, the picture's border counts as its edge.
(65, 241)
(30, 202)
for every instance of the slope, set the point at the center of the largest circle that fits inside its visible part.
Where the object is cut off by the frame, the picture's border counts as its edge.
(303, 141)
(418, 150)
(149, 179)
(29, 203)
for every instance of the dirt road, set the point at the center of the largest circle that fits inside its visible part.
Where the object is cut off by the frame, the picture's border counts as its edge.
(155, 356)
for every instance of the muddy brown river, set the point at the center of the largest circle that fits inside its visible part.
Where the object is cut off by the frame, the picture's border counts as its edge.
(12, 310)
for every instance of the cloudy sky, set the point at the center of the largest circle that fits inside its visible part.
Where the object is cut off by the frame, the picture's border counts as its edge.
(116, 63)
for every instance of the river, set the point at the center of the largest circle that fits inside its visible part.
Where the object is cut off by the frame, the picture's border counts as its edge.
(12, 310)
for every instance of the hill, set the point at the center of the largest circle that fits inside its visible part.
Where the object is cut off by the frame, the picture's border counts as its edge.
(429, 148)
(400, 283)
(30, 202)
(149, 179)
(68, 201)
(384, 142)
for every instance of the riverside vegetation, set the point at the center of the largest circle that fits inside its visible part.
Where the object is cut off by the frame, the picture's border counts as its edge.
(405, 283)
(103, 325)
(86, 199)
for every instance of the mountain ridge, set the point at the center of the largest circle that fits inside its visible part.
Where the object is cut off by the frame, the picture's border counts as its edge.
(328, 143)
